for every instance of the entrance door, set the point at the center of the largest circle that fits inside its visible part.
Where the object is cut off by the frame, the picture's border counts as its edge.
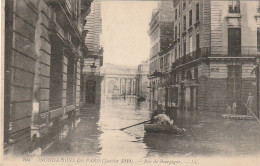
(91, 92)
(234, 41)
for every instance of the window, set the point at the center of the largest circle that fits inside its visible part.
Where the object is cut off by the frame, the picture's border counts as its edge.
(161, 63)
(184, 48)
(190, 18)
(234, 6)
(166, 60)
(190, 43)
(197, 42)
(234, 81)
(234, 41)
(176, 14)
(56, 78)
(175, 32)
(179, 10)
(184, 23)
(184, 4)
(70, 80)
(179, 29)
(197, 12)
(196, 74)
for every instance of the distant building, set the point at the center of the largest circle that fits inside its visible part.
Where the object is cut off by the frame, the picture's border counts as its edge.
(142, 82)
(44, 44)
(92, 81)
(211, 58)
(119, 81)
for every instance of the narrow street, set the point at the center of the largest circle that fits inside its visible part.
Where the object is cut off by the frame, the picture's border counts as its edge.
(95, 133)
(180, 77)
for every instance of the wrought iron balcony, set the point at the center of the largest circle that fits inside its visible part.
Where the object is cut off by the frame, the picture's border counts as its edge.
(244, 51)
(218, 52)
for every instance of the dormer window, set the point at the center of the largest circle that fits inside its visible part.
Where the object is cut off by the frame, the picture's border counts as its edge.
(234, 6)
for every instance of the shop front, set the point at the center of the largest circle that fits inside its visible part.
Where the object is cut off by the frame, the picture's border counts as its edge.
(190, 95)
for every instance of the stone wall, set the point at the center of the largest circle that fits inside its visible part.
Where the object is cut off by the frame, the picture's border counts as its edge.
(22, 69)
(29, 57)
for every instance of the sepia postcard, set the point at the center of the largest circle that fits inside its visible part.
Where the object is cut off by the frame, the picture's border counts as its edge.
(130, 82)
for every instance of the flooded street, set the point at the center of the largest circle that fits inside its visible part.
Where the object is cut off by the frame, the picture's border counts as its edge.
(96, 133)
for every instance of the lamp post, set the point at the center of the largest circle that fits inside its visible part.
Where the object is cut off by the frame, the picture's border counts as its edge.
(93, 68)
(92, 84)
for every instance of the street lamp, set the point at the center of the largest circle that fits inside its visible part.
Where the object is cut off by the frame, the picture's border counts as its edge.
(93, 68)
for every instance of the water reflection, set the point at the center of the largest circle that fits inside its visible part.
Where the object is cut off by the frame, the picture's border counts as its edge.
(97, 133)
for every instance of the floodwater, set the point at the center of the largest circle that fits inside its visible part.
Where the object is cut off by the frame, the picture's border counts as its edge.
(96, 133)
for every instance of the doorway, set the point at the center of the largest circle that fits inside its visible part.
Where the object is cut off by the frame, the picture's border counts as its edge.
(90, 92)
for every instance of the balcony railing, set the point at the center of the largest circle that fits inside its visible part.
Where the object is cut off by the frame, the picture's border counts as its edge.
(235, 51)
(221, 51)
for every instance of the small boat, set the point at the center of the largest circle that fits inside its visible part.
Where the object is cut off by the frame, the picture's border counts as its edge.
(162, 128)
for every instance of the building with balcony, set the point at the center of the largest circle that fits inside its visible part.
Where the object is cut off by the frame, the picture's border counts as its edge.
(161, 35)
(212, 55)
(91, 86)
(44, 44)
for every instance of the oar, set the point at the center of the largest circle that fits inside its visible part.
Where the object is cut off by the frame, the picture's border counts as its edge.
(135, 124)
(253, 114)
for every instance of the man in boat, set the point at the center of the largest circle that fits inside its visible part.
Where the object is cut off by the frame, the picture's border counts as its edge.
(228, 109)
(161, 119)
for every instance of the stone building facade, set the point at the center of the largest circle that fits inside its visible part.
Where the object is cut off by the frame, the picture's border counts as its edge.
(44, 44)
(142, 82)
(161, 36)
(119, 81)
(210, 61)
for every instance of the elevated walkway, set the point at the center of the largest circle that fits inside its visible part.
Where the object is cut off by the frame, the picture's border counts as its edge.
(238, 117)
